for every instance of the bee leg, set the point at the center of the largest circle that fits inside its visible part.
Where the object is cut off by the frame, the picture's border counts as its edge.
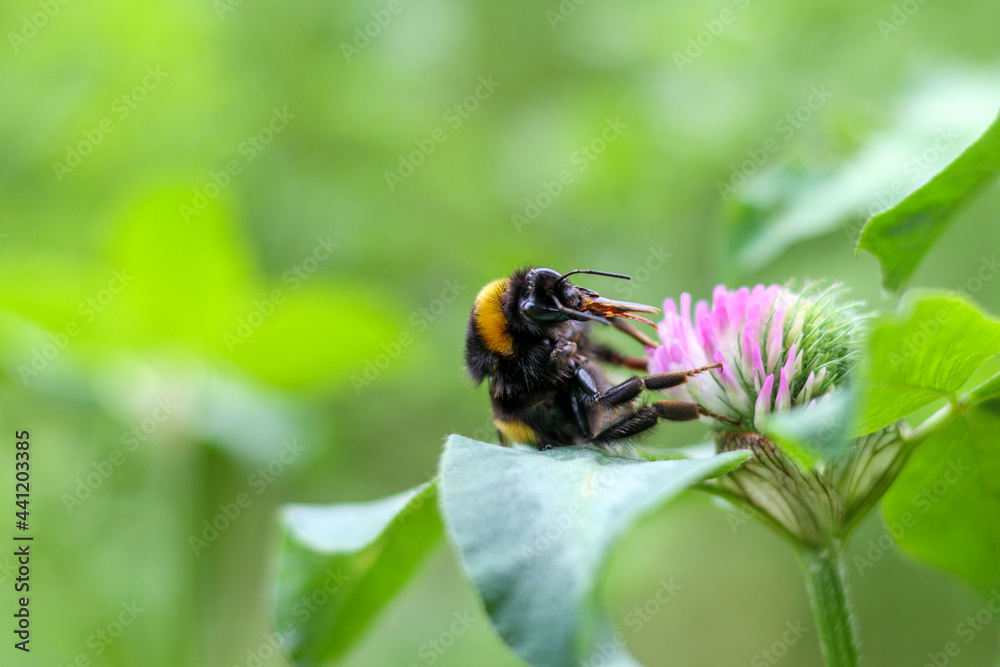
(681, 411)
(606, 354)
(580, 413)
(628, 426)
(629, 389)
(562, 352)
(643, 419)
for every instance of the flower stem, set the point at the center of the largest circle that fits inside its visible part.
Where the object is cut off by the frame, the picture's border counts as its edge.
(827, 585)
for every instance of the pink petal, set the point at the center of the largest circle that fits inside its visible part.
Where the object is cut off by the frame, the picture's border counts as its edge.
(808, 389)
(751, 353)
(726, 373)
(669, 308)
(774, 335)
(738, 312)
(784, 398)
(763, 405)
(676, 353)
(789, 366)
(660, 361)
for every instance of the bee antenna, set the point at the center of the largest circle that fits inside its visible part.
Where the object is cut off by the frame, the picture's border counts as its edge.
(598, 273)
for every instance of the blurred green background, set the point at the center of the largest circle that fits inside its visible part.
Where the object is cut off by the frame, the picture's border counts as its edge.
(239, 242)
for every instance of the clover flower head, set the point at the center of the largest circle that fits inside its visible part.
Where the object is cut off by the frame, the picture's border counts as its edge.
(778, 349)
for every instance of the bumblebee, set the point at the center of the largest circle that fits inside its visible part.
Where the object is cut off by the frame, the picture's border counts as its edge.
(529, 334)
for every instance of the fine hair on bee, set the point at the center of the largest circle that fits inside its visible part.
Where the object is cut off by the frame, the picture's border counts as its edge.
(529, 336)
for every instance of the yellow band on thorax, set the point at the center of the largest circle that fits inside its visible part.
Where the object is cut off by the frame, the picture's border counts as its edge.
(490, 320)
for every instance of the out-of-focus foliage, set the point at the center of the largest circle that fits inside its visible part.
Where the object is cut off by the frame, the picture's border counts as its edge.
(900, 237)
(922, 355)
(341, 565)
(789, 202)
(948, 498)
(212, 153)
(540, 575)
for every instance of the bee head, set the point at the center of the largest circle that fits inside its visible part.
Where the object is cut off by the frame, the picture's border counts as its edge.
(547, 298)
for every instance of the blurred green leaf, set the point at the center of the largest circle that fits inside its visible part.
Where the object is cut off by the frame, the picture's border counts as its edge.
(902, 235)
(342, 564)
(310, 335)
(946, 502)
(925, 352)
(815, 432)
(787, 203)
(184, 279)
(50, 288)
(534, 530)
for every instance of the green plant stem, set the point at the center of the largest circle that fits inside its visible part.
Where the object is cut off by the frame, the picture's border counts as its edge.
(827, 586)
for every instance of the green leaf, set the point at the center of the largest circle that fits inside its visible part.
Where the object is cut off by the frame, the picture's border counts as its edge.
(944, 508)
(342, 564)
(924, 353)
(534, 530)
(790, 202)
(986, 391)
(813, 433)
(902, 235)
